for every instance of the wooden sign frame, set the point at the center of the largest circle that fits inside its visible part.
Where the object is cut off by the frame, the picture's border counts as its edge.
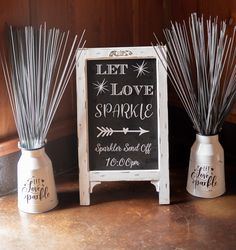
(87, 178)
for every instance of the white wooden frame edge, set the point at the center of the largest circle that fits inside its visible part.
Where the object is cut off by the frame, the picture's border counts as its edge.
(88, 179)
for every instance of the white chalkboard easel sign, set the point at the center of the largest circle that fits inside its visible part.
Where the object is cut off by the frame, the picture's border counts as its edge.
(122, 119)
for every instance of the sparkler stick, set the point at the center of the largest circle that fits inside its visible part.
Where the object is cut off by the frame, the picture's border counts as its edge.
(41, 62)
(201, 61)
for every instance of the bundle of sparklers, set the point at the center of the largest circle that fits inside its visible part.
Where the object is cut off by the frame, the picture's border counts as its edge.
(37, 71)
(201, 64)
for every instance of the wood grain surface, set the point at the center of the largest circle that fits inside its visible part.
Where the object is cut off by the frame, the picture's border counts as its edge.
(107, 23)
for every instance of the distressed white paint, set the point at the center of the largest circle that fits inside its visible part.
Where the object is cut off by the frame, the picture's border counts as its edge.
(88, 179)
(82, 130)
(125, 175)
(206, 177)
(35, 180)
(163, 146)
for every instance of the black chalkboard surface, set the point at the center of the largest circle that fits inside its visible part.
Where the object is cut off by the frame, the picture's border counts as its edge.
(122, 119)
(122, 114)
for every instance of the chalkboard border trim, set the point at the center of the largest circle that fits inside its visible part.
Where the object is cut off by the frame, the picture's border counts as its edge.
(88, 179)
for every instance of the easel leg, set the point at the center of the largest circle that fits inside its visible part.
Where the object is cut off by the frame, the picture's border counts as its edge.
(164, 192)
(84, 189)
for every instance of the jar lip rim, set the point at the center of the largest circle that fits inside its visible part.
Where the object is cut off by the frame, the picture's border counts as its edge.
(212, 135)
(207, 138)
(31, 149)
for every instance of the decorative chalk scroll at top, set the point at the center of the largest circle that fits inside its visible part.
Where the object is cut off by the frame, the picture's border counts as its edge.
(122, 119)
(120, 53)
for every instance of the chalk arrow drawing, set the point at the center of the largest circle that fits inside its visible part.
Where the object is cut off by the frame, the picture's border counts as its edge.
(105, 131)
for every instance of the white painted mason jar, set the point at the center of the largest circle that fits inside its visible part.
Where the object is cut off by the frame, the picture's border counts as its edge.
(35, 182)
(206, 177)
